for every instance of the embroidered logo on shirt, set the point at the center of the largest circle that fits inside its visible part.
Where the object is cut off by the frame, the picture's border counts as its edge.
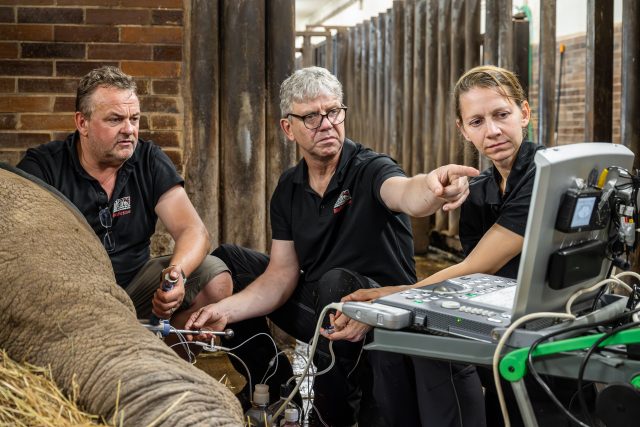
(343, 200)
(122, 206)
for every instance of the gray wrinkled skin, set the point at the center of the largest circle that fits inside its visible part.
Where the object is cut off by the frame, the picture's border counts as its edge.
(60, 306)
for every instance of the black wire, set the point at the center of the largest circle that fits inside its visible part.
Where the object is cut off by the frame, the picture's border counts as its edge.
(585, 360)
(602, 290)
(540, 340)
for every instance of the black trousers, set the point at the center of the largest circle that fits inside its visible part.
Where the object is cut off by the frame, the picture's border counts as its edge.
(372, 388)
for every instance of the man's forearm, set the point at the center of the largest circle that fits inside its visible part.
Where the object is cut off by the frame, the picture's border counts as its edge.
(190, 249)
(417, 199)
(263, 296)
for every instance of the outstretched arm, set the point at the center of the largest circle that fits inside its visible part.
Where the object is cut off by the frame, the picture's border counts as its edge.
(269, 291)
(422, 195)
(493, 251)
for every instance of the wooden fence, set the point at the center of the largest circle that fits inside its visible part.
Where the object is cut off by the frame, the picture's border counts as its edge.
(399, 68)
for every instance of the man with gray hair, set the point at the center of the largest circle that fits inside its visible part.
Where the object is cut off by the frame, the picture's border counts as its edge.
(122, 185)
(340, 222)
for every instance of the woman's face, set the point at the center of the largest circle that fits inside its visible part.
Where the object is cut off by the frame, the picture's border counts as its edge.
(493, 124)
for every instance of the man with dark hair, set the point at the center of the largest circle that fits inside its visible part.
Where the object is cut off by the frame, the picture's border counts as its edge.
(122, 185)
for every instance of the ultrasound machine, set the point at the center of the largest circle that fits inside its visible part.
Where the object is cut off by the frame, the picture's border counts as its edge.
(581, 222)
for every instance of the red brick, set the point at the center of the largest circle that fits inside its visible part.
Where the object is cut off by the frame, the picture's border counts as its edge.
(166, 17)
(175, 156)
(169, 35)
(159, 104)
(167, 53)
(165, 122)
(61, 122)
(27, 2)
(163, 139)
(21, 103)
(47, 15)
(8, 121)
(10, 157)
(88, 2)
(168, 4)
(7, 85)
(7, 14)
(26, 32)
(119, 16)
(8, 50)
(144, 122)
(65, 104)
(119, 51)
(26, 68)
(23, 139)
(152, 69)
(166, 87)
(50, 85)
(79, 68)
(53, 50)
(80, 33)
(143, 86)
(60, 136)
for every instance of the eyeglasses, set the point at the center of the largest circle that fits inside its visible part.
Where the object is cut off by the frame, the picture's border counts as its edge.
(105, 220)
(313, 121)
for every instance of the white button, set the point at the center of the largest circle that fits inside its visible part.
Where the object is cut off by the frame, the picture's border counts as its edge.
(450, 304)
(494, 320)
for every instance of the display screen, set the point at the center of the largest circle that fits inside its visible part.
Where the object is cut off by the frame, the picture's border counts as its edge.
(582, 213)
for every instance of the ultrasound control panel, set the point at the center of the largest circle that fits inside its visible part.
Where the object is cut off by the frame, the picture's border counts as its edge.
(470, 306)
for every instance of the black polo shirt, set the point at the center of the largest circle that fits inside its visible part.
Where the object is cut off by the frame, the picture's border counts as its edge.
(486, 206)
(350, 227)
(140, 182)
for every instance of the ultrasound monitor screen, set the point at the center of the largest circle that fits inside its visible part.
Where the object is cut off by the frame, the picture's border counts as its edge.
(582, 214)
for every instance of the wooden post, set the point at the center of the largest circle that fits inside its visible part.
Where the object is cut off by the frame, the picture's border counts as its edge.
(444, 71)
(243, 124)
(420, 226)
(431, 85)
(372, 102)
(546, 73)
(505, 35)
(455, 144)
(280, 152)
(380, 119)
(491, 52)
(202, 171)
(363, 105)
(599, 73)
(388, 82)
(472, 42)
(521, 51)
(630, 105)
(418, 93)
(407, 90)
(356, 107)
(397, 81)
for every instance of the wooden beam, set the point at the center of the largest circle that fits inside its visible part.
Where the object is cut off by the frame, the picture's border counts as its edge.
(599, 72)
(547, 73)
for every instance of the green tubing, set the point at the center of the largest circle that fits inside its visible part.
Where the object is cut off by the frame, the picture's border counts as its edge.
(513, 366)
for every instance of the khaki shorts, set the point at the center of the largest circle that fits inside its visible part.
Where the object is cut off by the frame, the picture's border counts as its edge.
(145, 283)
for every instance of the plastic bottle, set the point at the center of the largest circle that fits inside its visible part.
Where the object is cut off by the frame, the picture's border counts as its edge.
(257, 415)
(291, 418)
(285, 391)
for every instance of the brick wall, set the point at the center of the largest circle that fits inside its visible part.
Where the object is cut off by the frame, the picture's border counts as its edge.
(47, 45)
(572, 93)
